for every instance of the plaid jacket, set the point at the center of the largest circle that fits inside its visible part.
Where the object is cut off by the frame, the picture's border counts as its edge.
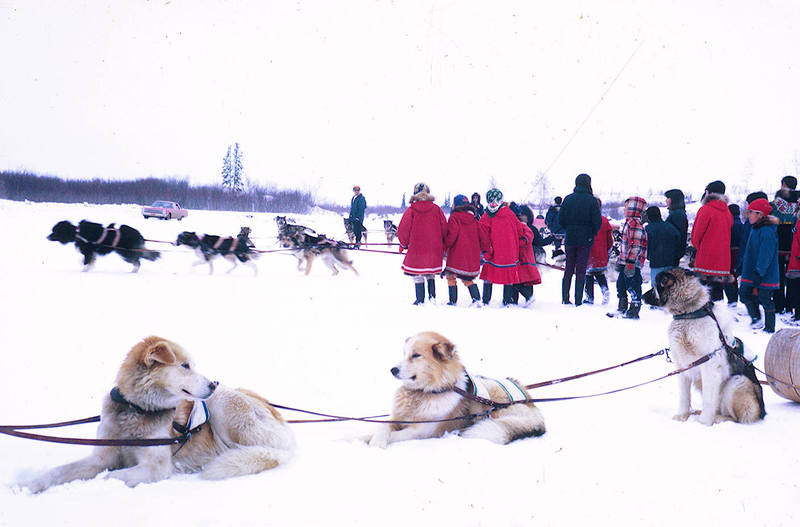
(633, 247)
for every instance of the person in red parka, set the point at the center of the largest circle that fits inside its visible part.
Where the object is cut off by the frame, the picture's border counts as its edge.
(711, 236)
(500, 233)
(793, 277)
(598, 260)
(528, 272)
(421, 232)
(463, 248)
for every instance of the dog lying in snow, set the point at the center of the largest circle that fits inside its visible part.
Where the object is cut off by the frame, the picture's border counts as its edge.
(158, 386)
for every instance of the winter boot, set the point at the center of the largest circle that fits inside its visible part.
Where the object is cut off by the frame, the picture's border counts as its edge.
(589, 290)
(508, 295)
(487, 292)
(420, 290)
(579, 292)
(769, 320)
(633, 310)
(431, 289)
(527, 292)
(565, 291)
(474, 294)
(453, 290)
(623, 304)
(606, 295)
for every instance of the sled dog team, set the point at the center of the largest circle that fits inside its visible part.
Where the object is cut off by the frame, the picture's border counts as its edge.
(158, 393)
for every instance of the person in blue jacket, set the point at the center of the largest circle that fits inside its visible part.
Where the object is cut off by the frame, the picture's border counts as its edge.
(663, 243)
(760, 265)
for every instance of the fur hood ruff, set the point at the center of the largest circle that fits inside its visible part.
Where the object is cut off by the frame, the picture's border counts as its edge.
(422, 196)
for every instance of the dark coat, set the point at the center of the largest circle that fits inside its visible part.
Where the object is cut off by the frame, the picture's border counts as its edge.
(677, 217)
(760, 263)
(551, 220)
(663, 243)
(358, 206)
(580, 217)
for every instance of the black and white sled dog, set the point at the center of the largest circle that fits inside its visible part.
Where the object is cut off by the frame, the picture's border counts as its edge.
(727, 381)
(390, 229)
(210, 246)
(92, 239)
(306, 248)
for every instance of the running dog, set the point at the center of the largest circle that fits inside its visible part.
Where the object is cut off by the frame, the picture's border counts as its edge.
(209, 246)
(727, 381)
(306, 248)
(430, 373)
(155, 389)
(349, 228)
(92, 239)
(390, 229)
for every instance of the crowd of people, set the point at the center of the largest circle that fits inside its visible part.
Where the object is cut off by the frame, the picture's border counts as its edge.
(756, 261)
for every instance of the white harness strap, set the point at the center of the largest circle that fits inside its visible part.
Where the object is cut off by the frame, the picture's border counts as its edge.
(106, 231)
(234, 243)
(198, 416)
(512, 390)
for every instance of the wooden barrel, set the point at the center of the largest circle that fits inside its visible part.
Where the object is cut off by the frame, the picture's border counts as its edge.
(782, 363)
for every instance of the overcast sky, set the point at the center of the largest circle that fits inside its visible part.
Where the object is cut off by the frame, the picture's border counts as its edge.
(326, 94)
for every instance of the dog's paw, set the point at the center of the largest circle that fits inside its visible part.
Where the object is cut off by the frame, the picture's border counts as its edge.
(681, 416)
(35, 486)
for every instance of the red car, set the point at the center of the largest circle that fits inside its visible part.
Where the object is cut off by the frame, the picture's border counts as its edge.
(166, 210)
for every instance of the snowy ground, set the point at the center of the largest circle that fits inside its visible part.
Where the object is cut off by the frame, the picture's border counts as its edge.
(327, 344)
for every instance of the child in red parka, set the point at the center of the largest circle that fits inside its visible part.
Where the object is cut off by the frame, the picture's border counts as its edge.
(421, 232)
(463, 250)
(598, 260)
(528, 272)
(500, 233)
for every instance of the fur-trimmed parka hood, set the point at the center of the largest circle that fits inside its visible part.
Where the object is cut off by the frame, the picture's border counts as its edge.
(713, 196)
(422, 196)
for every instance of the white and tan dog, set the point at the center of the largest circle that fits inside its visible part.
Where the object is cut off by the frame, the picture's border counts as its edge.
(727, 380)
(155, 385)
(429, 372)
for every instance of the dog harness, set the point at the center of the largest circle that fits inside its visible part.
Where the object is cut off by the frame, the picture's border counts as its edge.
(106, 231)
(478, 387)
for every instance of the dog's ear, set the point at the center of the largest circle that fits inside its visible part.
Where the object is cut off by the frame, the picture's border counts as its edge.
(160, 352)
(443, 350)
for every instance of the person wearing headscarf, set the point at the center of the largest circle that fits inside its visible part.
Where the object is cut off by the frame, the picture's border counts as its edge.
(421, 233)
(500, 234)
(632, 255)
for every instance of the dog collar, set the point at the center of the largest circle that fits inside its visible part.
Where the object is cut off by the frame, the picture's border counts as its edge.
(704, 311)
(118, 398)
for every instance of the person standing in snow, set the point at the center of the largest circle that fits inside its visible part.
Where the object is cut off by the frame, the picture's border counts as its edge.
(732, 289)
(358, 207)
(760, 265)
(421, 232)
(500, 233)
(677, 217)
(632, 254)
(785, 208)
(551, 220)
(663, 243)
(711, 236)
(528, 272)
(580, 218)
(598, 261)
(463, 247)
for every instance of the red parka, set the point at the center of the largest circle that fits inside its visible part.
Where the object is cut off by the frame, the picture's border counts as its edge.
(603, 242)
(528, 272)
(463, 244)
(500, 235)
(711, 236)
(421, 232)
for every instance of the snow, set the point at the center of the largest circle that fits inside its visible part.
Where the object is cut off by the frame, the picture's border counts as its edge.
(326, 344)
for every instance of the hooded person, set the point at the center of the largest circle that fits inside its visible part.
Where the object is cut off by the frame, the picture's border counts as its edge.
(663, 242)
(760, 265)
(581, 220)
(676, 205)
(477, 207)
(598, 261)
(421, 233)
(711, 236)
(463, 248)
(500, 233)
(632, 255)
(528, 272)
